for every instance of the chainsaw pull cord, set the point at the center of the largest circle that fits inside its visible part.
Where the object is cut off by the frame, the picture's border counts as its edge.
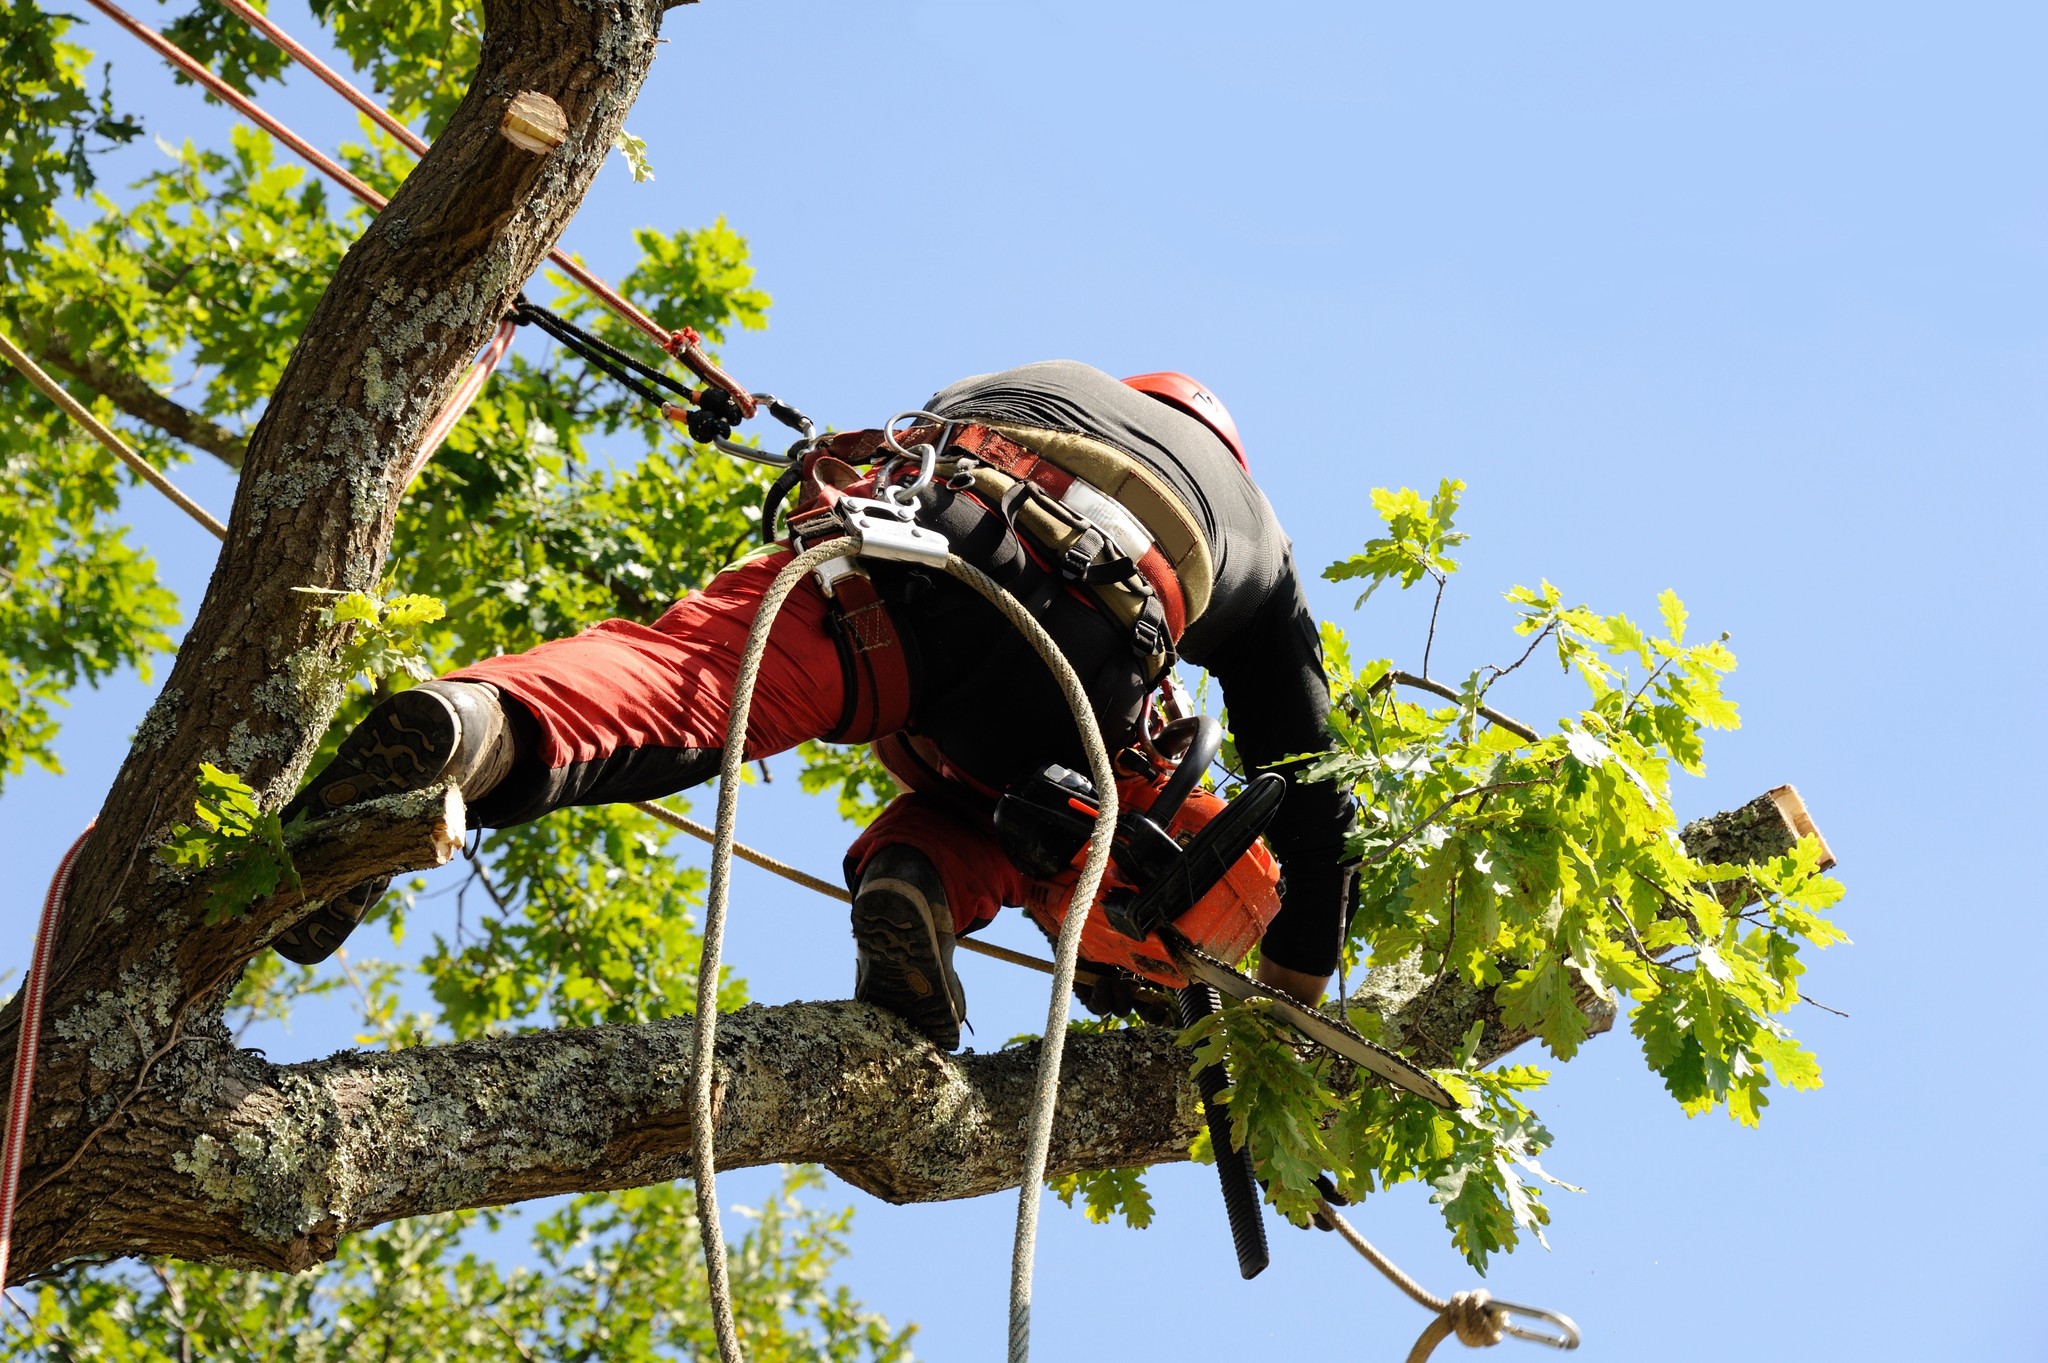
(703, 1114)
(29, 1033)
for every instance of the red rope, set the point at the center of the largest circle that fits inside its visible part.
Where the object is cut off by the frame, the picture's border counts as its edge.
(685, 344)
(340, 84)
(186, 62)
(464, 394)
(336, 82)
(32, 987)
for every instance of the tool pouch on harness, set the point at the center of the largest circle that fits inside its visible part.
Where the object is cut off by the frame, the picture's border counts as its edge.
(1080, 536)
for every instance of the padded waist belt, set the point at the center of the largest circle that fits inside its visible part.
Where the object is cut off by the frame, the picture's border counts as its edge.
(1126, 481)
(991, 447)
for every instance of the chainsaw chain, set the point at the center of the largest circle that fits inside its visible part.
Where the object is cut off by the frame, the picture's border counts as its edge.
(1182, 946)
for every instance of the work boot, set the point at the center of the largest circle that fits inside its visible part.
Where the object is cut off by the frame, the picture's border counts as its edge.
(438, 731)
(904, 932)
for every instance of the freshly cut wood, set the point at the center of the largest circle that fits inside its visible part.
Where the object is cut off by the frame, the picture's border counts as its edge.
(534, 123)
(1427, 1014)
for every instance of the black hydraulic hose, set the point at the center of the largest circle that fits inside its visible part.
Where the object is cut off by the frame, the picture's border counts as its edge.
(1233, 1165)
(778, 493)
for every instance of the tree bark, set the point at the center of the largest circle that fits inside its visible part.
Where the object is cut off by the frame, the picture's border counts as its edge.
(138, 973)
(220, 1155)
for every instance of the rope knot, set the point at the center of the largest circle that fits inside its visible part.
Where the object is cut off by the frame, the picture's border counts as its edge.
(1474, 1319)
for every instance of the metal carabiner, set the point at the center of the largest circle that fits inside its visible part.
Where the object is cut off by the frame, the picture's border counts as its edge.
(926, 454)
(1566, 1335)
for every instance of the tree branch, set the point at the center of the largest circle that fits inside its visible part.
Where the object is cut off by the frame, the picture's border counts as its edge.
(138, 399)
(292, 1157)
(222, 1155)
(1451, 693)
(1429, 1024)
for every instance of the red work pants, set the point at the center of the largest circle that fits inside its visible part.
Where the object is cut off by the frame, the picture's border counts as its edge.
(629, 712)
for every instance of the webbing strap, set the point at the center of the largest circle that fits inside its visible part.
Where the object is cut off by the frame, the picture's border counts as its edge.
(878, 684)
(1006, 456)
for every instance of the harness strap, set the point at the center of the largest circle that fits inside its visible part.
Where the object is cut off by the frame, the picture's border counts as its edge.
(873, 654)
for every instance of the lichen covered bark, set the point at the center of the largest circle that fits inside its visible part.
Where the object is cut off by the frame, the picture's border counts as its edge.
(282, 1160)
(219, 1155)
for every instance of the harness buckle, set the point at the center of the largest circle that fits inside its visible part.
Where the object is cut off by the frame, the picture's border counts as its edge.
(1148, 637)
(889, 530)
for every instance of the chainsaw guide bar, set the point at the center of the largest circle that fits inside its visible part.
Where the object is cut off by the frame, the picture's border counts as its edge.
(1327, 1032)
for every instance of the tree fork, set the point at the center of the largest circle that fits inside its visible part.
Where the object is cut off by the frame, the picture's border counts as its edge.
(255, 682)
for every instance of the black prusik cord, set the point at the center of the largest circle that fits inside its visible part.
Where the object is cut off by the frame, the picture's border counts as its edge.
(628, 371)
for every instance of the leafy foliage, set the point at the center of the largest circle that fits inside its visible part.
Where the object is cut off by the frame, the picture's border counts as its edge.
(78, 601)
(1107, 1193)
(1547, 869)
(605, 1286)
(558, 501)
(861, 786)
(235, 840)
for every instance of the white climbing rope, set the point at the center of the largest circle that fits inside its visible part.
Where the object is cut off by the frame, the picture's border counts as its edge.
(703, 1115)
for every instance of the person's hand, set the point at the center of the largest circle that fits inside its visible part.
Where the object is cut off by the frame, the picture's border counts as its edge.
(1118, 993)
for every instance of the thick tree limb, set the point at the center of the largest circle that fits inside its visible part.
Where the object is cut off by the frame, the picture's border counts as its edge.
(283, 1160)
(223, 1156)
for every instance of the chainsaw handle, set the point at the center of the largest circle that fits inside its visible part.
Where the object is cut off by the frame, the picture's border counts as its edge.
(1201, 751)
(1205, 860)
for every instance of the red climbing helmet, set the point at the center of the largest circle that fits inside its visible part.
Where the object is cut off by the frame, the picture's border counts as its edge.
(1178, 390)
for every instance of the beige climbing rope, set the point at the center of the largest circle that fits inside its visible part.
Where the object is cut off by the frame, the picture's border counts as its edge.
(1039, 1132)
(94, 427)
(1474, 1317)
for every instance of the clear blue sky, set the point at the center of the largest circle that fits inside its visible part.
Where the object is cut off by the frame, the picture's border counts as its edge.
(1749, 301)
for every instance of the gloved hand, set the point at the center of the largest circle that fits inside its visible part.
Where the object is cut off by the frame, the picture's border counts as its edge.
(1118, 993)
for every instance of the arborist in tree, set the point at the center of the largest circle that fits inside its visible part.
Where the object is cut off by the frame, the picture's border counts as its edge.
(1121, 513)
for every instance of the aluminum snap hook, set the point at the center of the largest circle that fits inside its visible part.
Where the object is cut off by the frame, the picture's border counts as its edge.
(1564, 1335)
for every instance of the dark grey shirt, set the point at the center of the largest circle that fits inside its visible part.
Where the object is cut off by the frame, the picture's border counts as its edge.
(1256, 635)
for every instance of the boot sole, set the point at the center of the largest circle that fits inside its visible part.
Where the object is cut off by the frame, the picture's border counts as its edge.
(320, 933)
(905, 972)
(406, 744)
